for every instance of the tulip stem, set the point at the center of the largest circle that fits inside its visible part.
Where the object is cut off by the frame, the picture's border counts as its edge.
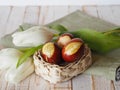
(55, 35)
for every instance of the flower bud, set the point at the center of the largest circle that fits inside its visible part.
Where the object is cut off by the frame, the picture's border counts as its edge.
(16, 75)
(33, 36)
(9, 57)
(8, 60)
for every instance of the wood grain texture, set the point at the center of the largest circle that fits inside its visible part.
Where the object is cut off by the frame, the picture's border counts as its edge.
(4, 16)
(12, 17)
(82, 82)
(100, 83)
(15, 19)
(31, 15)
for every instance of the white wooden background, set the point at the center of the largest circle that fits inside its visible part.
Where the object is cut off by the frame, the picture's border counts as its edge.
(11, 17)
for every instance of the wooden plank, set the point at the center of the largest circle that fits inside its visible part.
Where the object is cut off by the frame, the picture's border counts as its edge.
(32, 15)
(90, 10)
(46, 15)
(62, 86)
(38, 83)
(49, 14)
(3, 83)
(15, 19)
(101, 83)
(82, 82)
(106, 13)
(60, 12)
(116, 14)
(4, 15)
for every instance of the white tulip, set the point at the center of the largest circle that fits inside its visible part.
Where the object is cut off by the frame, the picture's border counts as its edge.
(33, 36)
(15, 75)
(8, 60)
(9, 57)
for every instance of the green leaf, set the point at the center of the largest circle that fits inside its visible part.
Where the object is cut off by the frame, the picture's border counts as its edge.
(114, 32)
(97, 41)
(21, 28)
(27, 54)
(58, 27)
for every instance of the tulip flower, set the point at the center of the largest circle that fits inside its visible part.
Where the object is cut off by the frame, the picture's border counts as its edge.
(32, 37)
(9, 57)
(15, 75)
(8, 60)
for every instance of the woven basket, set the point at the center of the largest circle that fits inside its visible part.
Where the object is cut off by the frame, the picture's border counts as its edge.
(56, 73)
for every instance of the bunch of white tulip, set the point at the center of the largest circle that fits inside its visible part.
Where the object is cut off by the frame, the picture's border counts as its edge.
(32, 37)
(9, 57)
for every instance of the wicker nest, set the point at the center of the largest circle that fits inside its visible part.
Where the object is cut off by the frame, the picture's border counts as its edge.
(56, 73)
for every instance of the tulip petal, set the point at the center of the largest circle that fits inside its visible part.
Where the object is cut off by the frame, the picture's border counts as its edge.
(32, 37)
